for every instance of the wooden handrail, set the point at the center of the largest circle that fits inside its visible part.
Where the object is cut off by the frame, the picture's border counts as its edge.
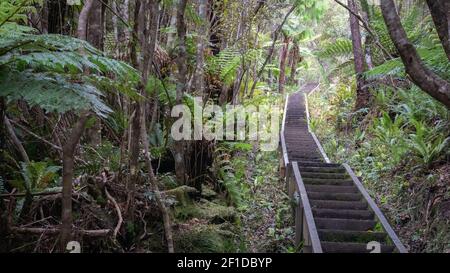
(314, 236)
(283, 140)
(387, 227)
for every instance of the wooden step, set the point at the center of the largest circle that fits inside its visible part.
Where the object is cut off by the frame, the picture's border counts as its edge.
(322, 169)
(334, 247)
(324, 175)
(331, 188)
(338, 182)
(327, 204)
(336, 235)
(334, 196)
(344, 213)
(345, 224)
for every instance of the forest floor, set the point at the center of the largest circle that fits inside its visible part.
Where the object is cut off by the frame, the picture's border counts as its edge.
(267, 222)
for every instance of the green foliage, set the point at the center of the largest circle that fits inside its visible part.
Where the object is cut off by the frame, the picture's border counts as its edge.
(105, 156)
(228, 61)
(51, 91)
(17, 10)
(50, 71)
(36, 176)
(426, 143)
(434, 58)
(339, 48)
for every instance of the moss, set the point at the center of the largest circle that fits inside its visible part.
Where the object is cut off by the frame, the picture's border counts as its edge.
(182, 195)
(208, 193)
(206, 239)
(212, 212)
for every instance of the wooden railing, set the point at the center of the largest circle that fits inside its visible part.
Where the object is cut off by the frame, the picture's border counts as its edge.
(305, 227)
(381, 218)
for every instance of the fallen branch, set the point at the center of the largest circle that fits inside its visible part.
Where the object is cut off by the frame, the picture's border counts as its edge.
(91, 233)
(16, 140)
(119, 213)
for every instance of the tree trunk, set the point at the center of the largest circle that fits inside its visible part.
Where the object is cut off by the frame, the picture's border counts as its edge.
(362, 92)
(68, 168)
(95, 38)
(296, 58)
(202, 41)
(83, 19)
(283, 59)
(440, 11)
(179, 146)
(423, 77)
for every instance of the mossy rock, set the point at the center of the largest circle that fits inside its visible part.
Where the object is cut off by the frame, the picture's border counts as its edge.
(183, 195)
(212, 212)
(206, 239)
(208, 193)
(216, 213)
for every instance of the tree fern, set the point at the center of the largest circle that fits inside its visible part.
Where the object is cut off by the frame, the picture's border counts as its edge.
(434, 58)
(50, 71)
(338, 48)
(16, 10)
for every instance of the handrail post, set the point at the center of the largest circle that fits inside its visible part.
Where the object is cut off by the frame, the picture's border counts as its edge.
(299, 220)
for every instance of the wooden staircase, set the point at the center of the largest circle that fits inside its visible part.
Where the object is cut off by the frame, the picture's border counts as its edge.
(333, 211)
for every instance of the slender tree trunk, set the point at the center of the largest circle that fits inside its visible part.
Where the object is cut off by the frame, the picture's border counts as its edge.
(95, 37)
(283, 59)
(133, 177)
(423, 77)
(202, 41)
(179, 146)
(362, 92)
(83, 19)
(440, 11)
(68, 173)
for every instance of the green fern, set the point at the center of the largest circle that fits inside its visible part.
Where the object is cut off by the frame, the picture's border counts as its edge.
(434, 58)
(36, 176)
(335, 49)
(50, 71)
(17, 10)
(52, 92)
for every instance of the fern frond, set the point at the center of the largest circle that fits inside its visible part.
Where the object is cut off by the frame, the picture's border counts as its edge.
(339, 48)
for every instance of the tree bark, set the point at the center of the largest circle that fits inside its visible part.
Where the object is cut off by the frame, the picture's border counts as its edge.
(283, 59)
(423, 77)
(16, 140)
(202, 41)
(133, 177)
(179, 146)
(68, 173)
(95, 37)
(440, 11)
(362, 93)
(83, 19)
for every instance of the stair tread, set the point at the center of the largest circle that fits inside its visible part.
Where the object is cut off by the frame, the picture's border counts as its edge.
(352, 236)
(336, 247)
(344, 213)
